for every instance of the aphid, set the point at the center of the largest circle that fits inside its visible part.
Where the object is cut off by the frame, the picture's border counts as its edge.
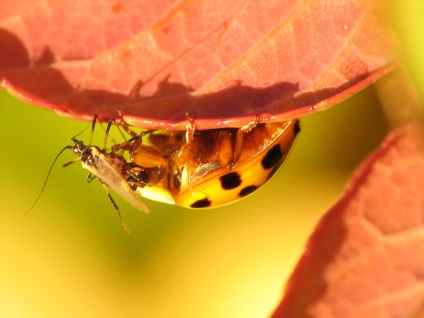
(110, 168)
(208, 168)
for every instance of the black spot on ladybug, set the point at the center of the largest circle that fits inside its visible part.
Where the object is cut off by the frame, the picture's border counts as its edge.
(272, 157)
(247, 190)
(230, 181)
(203, 203)
(296, 127)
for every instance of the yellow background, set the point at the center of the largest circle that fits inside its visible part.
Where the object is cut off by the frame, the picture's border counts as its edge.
(70, 257)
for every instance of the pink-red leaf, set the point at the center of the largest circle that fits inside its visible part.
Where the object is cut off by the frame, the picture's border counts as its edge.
(152, 63)
(366, 257)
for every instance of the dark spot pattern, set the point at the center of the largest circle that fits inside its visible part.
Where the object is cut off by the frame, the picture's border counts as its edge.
(247, 190)
(272, 157)
(297, 127)
(230, 181)
(177, 180)
(203, 203)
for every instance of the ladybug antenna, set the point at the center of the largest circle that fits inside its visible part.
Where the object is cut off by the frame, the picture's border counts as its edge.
(47, 178)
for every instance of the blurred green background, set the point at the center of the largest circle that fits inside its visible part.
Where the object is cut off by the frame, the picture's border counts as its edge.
(70, 257)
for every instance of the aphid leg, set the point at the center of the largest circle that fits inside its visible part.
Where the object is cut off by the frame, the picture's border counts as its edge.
(122, 147)
(70, 162)
(91, 177)
(124, 225)
(127, 128)
(107, 133)
(133, 134)
(126, 144)
(134, 138)
(111, 138)
(93, 125)
(238, 146)
(118, 127)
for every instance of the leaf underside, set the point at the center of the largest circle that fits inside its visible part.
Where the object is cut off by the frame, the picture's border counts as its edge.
(153, 64)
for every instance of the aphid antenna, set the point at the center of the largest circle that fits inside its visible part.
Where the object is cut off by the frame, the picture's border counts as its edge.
(47, 178)
(64, 165)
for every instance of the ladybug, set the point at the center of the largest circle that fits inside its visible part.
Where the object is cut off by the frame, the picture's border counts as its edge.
(208, 168)
(193, 169)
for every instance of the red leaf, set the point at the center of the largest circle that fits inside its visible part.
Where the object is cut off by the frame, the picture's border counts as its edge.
(152, 62)
(366, 257)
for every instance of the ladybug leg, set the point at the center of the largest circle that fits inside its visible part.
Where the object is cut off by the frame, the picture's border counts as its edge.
(185, 153)
(238, 146)
(123, 146)
(148, 165)
(226, 149)
(190, 128)
(146, 156)
(248, 128)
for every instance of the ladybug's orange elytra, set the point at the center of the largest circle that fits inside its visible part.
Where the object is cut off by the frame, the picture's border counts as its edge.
(214, 167)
